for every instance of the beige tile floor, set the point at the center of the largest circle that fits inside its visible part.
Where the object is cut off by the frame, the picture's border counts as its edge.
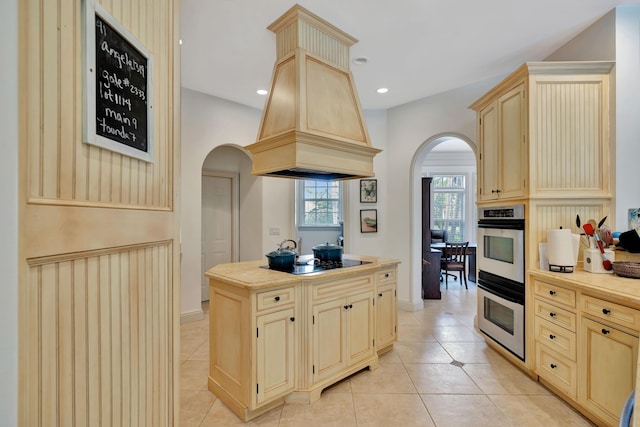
(440, 373)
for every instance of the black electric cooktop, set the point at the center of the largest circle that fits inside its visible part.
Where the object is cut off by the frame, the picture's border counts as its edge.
(314, 267)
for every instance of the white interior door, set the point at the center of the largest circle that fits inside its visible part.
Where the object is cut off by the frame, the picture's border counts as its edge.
(219, 225)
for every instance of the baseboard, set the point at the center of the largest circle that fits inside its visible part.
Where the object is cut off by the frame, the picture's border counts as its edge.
(410, 306)
(192, 316)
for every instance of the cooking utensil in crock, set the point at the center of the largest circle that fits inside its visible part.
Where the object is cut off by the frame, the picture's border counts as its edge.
(327, 252)
(606, 263)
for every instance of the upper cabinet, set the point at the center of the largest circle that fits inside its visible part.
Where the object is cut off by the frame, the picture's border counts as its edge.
(543, 132)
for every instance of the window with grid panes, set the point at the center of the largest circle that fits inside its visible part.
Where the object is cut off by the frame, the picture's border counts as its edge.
(320, 203)
(448, 205)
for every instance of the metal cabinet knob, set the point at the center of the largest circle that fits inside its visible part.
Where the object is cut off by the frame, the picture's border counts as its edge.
(552, 292)
(553, 366)
(552, 314)
(277, 298)
(606, 311)
(551, 336)
(605, 331)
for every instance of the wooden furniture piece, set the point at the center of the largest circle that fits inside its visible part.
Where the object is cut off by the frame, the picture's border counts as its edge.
(431, 274)
(584, 338)
(471, 258)
(455, 259)
(276, 336)
(543, 141)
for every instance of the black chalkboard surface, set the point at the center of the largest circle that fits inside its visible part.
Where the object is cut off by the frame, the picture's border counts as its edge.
(121, 95)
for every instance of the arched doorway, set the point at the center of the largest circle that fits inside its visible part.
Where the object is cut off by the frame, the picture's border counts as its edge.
(228, 206)
(417, 172)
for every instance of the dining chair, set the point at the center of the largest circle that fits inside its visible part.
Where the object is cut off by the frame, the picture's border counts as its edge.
(455, 259)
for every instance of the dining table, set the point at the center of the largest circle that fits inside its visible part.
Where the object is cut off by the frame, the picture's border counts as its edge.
(471, 257)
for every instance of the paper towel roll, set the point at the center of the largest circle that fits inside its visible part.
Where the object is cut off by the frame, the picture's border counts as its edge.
(562, 247)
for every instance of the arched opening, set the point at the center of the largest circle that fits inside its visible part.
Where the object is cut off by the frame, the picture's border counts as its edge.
(230, 210)
(419, 166)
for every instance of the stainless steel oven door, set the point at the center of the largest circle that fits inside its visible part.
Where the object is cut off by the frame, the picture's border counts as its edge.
(501, 252)
(502, 320)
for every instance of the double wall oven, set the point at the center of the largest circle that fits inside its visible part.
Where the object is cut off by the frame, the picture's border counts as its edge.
(500, 259)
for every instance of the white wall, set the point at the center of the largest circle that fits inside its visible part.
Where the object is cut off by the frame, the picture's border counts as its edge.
(616, 36)
(9, 213)
(411, 128)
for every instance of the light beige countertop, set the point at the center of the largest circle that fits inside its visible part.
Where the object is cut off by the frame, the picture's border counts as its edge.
(249, 274)
(609, 285)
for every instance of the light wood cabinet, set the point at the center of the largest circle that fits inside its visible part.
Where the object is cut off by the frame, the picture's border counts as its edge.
(274, 342)
(342, 334)
(543, 133)
(584, 346)
(608, 368)
(275, 352)
(555, 336)
(386, 310)
(502, 146)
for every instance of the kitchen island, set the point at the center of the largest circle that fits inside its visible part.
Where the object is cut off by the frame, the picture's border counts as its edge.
(276, 336)
(583, 331)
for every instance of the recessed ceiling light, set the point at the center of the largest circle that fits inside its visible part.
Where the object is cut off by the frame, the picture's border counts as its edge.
(360, 60)
(262, 92)
(382, 90)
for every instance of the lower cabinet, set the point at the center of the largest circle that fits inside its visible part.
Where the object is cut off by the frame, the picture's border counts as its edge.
(342, 334)
(292, 341)
(585, 347)
(275, 352)
(608, 369)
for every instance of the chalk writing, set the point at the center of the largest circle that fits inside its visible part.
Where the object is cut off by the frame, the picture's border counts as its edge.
(121, 88)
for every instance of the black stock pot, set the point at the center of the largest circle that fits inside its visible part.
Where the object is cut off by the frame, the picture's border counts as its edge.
(327, 252)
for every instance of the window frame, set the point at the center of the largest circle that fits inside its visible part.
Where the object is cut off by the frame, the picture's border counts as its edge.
(300, 206)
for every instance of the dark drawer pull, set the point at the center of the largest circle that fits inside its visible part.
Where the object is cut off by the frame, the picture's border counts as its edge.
(553, 366)
(551, 336)
(606, 311)
(386, 275)
(346, 307)
(277, 298)
(552, 314)
(552, 292)
(380, 295)
(292, 319)
(605, 331)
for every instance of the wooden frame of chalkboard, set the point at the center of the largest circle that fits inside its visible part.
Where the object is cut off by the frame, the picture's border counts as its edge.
(118, 95)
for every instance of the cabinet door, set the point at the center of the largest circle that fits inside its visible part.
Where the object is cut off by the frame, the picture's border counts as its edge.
(512, 143)
(386, 315)
(488, 164)
(275, 351)
(608, 369)
(360, 331)
(329, 341)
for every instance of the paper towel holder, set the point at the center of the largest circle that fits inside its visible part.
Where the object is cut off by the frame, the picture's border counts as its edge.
(561, 268)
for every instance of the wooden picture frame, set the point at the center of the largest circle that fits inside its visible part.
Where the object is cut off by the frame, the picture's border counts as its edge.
(368, 191)
(118, 89)
(369, 221)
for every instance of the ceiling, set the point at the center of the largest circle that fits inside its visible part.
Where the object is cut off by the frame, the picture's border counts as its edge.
(416, 48)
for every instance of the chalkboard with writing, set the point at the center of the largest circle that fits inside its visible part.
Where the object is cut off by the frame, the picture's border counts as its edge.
(118, 98)
(121, 89)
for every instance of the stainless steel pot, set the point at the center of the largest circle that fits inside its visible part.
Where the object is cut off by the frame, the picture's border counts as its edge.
(282, 258)
(327, 252)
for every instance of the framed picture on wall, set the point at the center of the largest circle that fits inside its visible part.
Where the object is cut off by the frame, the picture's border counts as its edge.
(369, 221)
(368, 191)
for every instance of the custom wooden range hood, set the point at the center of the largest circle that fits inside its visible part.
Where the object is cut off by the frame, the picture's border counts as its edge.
(312, 125)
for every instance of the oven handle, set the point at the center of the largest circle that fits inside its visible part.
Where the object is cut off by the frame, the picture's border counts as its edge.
(502, 224)
(500, 294)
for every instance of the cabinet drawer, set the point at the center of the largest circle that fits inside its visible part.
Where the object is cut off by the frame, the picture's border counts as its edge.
(275, 298)
(611, 312)
(555, 293)
(556, 315)
(555, 337)
(386, 276)
(344, 287)
(557, 370)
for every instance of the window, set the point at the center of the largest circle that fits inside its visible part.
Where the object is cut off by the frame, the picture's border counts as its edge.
(448, 212)
(319, 203)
